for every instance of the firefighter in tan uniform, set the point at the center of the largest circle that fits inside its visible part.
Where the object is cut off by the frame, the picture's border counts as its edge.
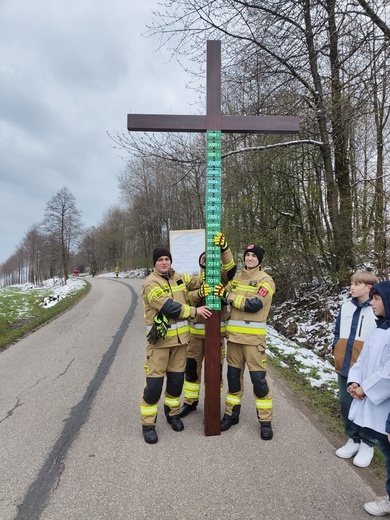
(166, 314)
(196, 346)
(249, 294)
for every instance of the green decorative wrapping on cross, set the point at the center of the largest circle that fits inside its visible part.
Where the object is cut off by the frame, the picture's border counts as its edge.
(213, 123)
(213, 213)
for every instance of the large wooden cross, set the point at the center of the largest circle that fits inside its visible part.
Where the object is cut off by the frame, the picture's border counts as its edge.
(213, 123)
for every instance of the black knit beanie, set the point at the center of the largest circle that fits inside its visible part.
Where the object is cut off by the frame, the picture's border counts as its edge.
(161, 251)
(202, 266)
(257, 250)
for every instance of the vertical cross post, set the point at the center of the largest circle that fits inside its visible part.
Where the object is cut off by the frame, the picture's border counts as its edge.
(214, 124)
(212, 402)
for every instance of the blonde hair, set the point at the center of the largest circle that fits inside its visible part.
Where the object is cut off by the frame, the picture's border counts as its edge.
(366, 277)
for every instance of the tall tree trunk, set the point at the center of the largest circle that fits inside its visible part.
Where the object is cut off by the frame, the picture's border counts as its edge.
(380, 222)
(338, 193)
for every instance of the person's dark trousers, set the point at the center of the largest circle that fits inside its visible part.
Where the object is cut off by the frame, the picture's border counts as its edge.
(383, 444)
(345, 401)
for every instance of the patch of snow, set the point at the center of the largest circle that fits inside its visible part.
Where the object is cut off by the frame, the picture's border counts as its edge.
(320, 372)
(134, 273)
(59, 290)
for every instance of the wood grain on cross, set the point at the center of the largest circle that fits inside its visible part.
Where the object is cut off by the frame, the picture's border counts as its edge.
(213, 120)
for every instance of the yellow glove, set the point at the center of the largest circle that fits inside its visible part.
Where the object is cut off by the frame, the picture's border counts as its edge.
(219, 290)
(204, 290)
(220, 240)
(159, 328)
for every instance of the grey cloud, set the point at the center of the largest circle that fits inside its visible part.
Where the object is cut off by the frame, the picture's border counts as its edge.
(69, 72)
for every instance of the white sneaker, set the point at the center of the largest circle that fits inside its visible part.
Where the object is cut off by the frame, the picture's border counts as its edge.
(380, 507)
(349, 449)
(364, 455)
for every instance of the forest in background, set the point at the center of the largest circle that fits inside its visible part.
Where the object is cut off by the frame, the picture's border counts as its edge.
(317, 202)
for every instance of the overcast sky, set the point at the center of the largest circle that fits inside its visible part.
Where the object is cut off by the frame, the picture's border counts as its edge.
(71, 71)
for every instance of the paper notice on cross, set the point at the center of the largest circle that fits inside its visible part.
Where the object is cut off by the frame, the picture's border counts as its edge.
(186, 245)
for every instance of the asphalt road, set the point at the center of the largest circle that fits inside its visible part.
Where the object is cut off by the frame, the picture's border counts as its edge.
(71, 446)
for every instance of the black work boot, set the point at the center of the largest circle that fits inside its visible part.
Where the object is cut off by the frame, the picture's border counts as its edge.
(266, 432)
(187, 409)
(150, 434)
(176, 423)
(228, 421)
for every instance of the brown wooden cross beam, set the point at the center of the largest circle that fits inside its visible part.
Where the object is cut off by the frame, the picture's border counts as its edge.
(216, 121)
(213, 120)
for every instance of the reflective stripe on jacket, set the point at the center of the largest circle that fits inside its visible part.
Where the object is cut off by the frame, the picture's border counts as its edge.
(159, 290)
(175, 328)
(244, 327)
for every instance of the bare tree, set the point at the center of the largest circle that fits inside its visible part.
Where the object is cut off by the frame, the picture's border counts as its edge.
(161, 194)
(62, 227)
(13, 269)
(381, 108)
(373, 15)
(33, 248)
(314, 51)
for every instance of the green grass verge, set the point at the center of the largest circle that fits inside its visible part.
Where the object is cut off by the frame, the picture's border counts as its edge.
(321, 401)
(21, 312)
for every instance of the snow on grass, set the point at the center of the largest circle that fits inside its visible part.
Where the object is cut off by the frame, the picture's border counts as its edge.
(317, 371)
(134, 273)
(18, 301)
(59, 290)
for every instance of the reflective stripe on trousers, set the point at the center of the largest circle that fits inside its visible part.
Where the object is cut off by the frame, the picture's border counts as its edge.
(191, 390)
(263, 404)
(148, 409)
(264, 407)
(233, 399)
(172, 402)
